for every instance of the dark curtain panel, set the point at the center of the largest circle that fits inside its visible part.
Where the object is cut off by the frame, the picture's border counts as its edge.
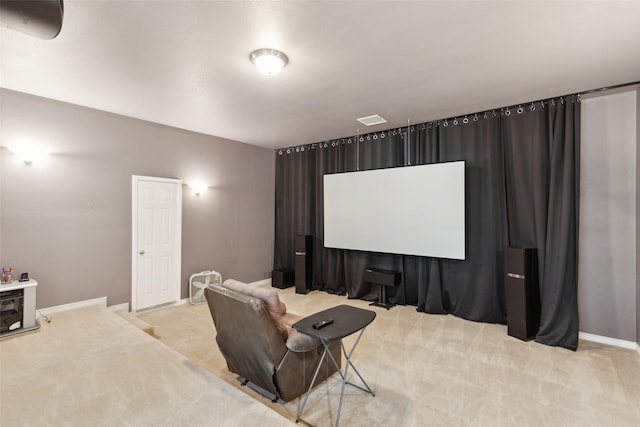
(474, 288)
(293, 207)
(522, 178)
(542, 174)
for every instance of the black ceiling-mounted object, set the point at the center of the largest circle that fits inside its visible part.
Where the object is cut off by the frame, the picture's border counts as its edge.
(37, 18)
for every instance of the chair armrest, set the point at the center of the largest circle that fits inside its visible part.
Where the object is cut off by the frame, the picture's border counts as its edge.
(300, 343)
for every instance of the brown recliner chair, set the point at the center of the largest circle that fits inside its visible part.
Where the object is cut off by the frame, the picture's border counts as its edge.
(255, 337)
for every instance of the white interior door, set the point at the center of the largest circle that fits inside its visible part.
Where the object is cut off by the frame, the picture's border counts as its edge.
(156, 247)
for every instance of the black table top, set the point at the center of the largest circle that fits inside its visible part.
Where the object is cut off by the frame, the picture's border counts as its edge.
(346, 321)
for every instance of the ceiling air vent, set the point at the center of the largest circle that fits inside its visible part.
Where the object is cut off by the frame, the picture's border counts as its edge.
(372, 120)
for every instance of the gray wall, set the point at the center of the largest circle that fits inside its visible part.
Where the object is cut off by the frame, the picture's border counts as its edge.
(67, 220)
(638, 219)
(607, 276)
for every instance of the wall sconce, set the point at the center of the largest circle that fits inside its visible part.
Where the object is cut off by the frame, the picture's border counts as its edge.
(198, 187)
(29, 154)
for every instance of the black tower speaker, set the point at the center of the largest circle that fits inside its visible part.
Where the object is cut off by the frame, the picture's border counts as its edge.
(303, 264)
(523, 293)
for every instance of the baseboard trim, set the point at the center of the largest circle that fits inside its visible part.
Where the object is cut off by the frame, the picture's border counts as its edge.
(102, 301)
(615, 342)
(263, 282)
(161, 307)
(119, 307)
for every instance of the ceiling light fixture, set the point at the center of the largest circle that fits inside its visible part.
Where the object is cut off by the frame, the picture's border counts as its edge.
(269, 61)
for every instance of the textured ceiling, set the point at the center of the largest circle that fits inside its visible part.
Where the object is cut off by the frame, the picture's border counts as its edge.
(186, 63)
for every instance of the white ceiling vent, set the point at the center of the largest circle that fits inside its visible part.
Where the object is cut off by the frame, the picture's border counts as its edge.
(372, 120)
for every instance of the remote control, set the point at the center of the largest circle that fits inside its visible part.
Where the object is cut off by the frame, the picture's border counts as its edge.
(321, 324)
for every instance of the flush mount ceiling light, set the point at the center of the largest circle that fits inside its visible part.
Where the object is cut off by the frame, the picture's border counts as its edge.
(269, 61)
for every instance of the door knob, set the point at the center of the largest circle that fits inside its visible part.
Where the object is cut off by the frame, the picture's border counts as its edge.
(141, 252)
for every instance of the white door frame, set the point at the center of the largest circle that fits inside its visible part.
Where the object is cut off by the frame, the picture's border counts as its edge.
(135, 179)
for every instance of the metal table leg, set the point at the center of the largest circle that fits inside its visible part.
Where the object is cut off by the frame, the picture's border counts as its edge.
(346, 371)
(342, 375)
(313, 381)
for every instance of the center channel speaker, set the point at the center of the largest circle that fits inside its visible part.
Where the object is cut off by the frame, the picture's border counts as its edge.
(523, 293)
(303, 263)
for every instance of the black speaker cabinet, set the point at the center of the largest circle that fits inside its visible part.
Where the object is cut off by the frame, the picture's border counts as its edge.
(303, 263)
(283, 278)
(523, 293)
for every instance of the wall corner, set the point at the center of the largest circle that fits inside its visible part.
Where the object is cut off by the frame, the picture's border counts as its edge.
(637, 195)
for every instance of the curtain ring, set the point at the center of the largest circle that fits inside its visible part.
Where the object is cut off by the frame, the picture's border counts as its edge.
(475, 117)
(382, 135)
(280, 152)
(288, 151)
(302, 149)
(520, 109)
(455, 121)
(533, 107)
(349, 141)
(465, 120)
(333, 143)
(446, 123)
(375, 136)
(369, 137)
(508, 112)
(413, 129)
(361, 139)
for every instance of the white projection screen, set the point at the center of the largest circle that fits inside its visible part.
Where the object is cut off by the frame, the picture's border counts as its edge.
(413, 210)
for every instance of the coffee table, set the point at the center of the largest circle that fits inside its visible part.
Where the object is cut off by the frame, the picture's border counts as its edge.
(347, 320)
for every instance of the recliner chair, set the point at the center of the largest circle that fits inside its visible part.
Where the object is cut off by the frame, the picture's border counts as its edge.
(255, 337)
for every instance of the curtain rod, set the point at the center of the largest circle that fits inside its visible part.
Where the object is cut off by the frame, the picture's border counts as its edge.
(602, 89)
(578, 94)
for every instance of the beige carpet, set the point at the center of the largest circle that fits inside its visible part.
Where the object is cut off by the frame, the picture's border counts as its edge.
(90, 367)
(431, 370)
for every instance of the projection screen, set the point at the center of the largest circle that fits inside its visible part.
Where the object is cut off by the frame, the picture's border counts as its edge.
(413, 210)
